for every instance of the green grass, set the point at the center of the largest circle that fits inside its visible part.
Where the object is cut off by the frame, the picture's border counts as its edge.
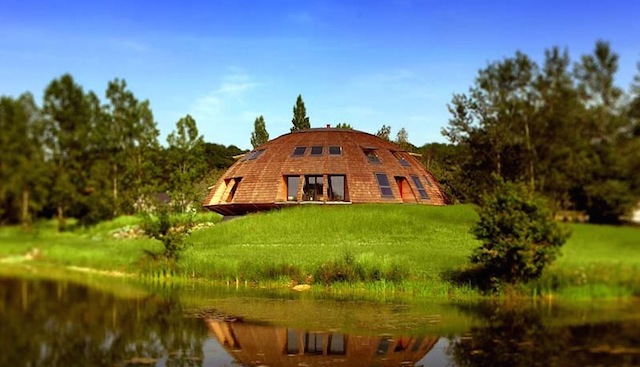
(385, 250)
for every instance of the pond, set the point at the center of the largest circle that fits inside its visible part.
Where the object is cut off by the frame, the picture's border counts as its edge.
(61, 323)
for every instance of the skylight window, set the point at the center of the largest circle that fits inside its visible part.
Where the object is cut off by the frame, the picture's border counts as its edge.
(421, 189)
(316, 151)
(335, 150)
(372, 157)
(299, 151)
(255, 154)
(385, 186)
(403, 161)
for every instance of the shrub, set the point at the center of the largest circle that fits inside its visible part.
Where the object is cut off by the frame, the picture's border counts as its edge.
(170, 232)
(518, 234)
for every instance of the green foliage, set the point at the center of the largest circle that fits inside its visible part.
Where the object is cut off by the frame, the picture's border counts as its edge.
(259, 135)
(168, 229)
(185, 156)
(300, 120)
(518, 234)
(344, 125)
(384, 133)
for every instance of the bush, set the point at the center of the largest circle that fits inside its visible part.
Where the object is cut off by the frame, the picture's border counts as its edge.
(170, 232)
(519, 236)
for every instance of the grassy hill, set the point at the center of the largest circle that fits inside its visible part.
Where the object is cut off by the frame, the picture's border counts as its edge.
(379, 249)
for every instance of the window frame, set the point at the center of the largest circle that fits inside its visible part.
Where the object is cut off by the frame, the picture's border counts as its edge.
(297, 186)
(371, 155)
(330, 195)
(315, 147)
(421, 189)
(384, 188)
(295, 149)
(317, 194)
(335, 154)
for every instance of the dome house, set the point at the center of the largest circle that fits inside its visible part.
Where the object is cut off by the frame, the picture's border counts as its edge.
(323, 166)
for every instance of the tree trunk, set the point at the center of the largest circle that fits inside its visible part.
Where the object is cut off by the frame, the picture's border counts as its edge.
(62, 223)
(24, 217)
(115, 189)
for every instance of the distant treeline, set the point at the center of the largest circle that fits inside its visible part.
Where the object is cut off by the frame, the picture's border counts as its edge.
(76, 156)
(566, 130)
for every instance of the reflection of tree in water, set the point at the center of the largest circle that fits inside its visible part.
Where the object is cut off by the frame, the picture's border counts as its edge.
(518, 337)
(62, 324)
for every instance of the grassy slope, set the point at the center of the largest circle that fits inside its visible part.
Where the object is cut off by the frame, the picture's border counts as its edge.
(426, 241)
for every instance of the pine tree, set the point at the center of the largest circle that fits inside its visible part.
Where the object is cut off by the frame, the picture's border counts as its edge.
(300, 120)
(259, 135)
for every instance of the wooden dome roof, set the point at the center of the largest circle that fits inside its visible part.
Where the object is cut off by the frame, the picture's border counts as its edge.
(324, 166)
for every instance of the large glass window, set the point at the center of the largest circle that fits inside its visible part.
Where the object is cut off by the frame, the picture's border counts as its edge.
(336, 190)
(385, 186)
(421, 190)
(372, 157)
(312, 190)
(316, 151)
(292, 188)
(337, 344)
(313, 343)
(299, 151)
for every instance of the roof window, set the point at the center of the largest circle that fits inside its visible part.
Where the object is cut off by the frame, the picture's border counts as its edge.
(385, 186)
(316, 151)
(299, 151)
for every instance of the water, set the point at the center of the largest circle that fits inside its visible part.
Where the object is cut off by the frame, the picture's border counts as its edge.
(48, 323)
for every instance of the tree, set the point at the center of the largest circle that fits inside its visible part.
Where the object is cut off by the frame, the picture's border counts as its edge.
(344, 125)
(186, 160)
(259, 135)
(402, 138)
(132, 137)
(518, 234)
(300, 120)
(384, 132)
(67, 113)
(23, 170)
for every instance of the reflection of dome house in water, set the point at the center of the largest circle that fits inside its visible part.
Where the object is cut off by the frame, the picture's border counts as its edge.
(323, 165)
(254, 345)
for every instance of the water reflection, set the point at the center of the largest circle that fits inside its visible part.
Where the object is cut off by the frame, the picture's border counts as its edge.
(255, 345)
(518, 336)
(44, 323)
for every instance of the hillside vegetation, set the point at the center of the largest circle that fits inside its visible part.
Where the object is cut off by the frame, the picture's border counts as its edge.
(373, 249)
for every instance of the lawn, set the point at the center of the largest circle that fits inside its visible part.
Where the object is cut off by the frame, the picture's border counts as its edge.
(396, 248)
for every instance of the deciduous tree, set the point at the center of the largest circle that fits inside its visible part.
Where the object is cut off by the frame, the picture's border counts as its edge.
(259, 135)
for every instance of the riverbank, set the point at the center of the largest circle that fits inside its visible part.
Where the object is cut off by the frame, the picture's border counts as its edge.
(398, 250)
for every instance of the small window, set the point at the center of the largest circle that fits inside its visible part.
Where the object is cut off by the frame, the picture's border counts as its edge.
(385, 186)
(372, 157)
(255, 154)
(299, 151)
(334, 150)
(403, 161)
(421, 190)
(337, 344)
(312, 190)
(292, 188)
(313, 343)
(316, 151)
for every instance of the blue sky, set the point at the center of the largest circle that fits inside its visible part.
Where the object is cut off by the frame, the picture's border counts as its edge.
(365, 63)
